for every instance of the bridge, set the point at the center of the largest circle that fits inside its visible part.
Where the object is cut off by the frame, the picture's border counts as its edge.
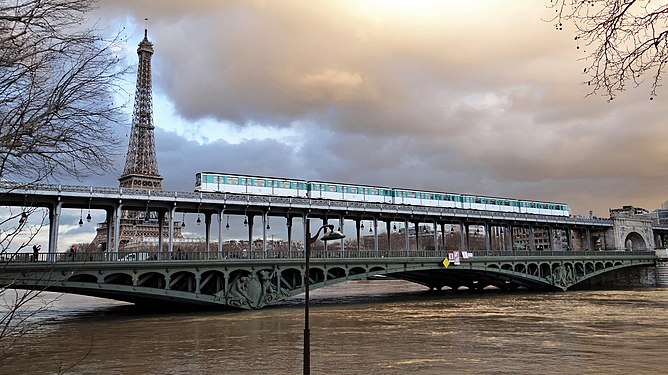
(483, 248)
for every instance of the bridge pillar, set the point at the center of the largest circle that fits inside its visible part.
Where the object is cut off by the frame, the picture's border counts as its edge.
(161, 223)
(288, 223)
(109, 219)
(251, 220)
(463, 234)
(117, 231)
(220, 233)
(443, 236)
(375, 236)
(265, 227)
(357, 230)
(207, 231)
(325, 221)
(407, 244)
(54, 223)
(170, 218)
(388, 228)
(343, 243)
(416, 225)
(487, 237)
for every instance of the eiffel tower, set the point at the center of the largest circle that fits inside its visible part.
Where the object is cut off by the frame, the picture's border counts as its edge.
(141, 162)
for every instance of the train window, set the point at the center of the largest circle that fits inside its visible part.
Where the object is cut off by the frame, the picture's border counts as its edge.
(333, 188)
(260, 182)
(353, 190)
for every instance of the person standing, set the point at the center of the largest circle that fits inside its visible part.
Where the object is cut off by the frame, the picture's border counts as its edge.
(35, 252)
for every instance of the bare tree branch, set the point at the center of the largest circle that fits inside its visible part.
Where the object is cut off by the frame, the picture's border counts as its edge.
(58, 117)
(57, 85)
(624, 41)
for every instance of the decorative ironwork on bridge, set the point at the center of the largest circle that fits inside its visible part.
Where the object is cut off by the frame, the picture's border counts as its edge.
(253, 281)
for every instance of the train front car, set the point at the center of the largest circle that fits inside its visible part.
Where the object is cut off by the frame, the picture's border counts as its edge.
(244, 184)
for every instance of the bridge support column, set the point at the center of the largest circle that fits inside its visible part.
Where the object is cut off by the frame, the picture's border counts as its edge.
(417, 235)
(407, 245)
(343, 243)
(550, 236)
(435, 236)
(54, 224)
(265, 227)
(375, 236)
(357, 229)
(589, 243)
(488, 238)
(443, 236)
(250, 235)
(161, 232)
(289, 225)
(388, 228)
(170, 247)
(221, 213)
(207, 233)
(463, 233)
(117, 231)
(325, 221)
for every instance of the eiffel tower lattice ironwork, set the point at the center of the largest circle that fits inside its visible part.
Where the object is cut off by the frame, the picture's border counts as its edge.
(141, 163)
(141, 166)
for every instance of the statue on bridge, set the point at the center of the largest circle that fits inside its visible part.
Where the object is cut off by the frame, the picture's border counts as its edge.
(254, 290)
(562, 275)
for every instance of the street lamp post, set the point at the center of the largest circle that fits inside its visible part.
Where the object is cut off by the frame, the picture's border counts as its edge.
(327, 236)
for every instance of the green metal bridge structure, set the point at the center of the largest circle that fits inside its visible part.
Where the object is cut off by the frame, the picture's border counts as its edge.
(594, 252)
(238, 282)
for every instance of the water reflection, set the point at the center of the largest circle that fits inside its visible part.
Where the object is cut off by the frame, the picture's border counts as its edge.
(380, 327)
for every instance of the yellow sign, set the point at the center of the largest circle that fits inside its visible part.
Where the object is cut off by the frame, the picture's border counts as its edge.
(446, 262)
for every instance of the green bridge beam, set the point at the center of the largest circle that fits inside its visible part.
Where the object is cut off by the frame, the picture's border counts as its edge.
(256, 283)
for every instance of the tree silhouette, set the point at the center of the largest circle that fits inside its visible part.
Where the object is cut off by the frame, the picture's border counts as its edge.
(623, 41)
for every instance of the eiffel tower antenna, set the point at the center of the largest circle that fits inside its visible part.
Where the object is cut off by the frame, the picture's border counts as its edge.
(141, 163)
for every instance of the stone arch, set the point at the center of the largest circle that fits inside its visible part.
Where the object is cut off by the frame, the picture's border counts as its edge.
(634, 242)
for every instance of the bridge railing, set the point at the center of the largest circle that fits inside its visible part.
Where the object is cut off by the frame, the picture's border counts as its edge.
(184, 256)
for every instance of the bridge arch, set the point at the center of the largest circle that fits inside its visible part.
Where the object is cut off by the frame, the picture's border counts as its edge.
(634, 242)
(212, 282)
(118, 278)
(151, 280)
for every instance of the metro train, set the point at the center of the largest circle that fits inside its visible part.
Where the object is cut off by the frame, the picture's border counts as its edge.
(262, 185)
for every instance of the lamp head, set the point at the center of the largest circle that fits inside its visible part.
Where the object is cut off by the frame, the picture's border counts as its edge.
(332, 234)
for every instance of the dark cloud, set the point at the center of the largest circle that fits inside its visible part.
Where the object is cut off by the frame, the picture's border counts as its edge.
(483, 100)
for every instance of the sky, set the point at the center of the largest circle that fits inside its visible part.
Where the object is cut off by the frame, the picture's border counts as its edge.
(468, 96)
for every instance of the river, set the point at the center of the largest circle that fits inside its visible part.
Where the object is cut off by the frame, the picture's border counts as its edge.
(367, 327)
